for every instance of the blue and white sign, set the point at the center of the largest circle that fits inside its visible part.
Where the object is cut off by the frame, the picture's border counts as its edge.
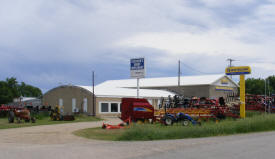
(137, 67)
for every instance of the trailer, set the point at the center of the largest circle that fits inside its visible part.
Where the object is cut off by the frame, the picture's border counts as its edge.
(137, 109)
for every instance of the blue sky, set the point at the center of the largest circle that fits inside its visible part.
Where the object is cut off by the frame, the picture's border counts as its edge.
(46, 43)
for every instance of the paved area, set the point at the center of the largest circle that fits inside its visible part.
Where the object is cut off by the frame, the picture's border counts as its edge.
(57, 142)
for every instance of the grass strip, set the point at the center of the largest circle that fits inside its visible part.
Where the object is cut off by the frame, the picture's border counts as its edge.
(255, 122)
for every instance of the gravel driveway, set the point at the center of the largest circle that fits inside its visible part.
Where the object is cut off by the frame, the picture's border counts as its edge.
(49, 134)
(58, 142)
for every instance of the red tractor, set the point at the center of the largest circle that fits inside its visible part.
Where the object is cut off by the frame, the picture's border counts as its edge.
(20, 114)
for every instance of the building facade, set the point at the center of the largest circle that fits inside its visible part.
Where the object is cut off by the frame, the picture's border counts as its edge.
(108, 95)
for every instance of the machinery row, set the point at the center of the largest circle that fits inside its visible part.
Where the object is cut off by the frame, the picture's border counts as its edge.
(27, 115)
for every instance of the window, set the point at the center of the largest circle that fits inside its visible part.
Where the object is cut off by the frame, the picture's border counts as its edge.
(60, 102)
(73, 105)
(85, 105)
(114, 107)
(109, 107)
(104, 107)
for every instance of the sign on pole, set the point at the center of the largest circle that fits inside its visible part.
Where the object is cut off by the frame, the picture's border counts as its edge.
(137, 67)
(242, 71)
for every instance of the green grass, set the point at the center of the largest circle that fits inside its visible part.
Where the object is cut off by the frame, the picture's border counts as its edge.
(100, 134)
(255, 122)
(44, 119)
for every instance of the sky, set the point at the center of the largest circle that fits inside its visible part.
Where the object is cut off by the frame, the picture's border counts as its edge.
(47, 43)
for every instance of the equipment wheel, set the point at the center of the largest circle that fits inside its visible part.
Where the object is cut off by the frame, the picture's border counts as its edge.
(27, 120)
(33, 119)
(185, 122)
(54, 118)
(168, 121)
(11, 117)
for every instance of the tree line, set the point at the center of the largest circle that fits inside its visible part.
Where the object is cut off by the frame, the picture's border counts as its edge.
(10, 89)
(258, 86)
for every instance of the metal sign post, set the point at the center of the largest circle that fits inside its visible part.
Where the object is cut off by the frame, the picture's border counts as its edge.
(137, 68)
(137, 87)
(242, 71)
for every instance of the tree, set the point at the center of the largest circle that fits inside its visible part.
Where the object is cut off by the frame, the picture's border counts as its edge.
(29, 91)
(13, 85)
(6, 95)
(255, 86)
(10, 89)
(271, 83)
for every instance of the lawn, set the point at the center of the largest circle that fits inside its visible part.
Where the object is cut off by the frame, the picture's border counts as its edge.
(255, 122)
(44, 120)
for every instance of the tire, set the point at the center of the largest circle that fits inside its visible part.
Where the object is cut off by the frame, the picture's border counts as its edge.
(168, 121)
(33, 119)
(11, 117)
(185, 122)
(27, 120)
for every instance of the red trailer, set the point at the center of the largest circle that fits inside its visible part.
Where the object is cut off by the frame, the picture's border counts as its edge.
(136, 109)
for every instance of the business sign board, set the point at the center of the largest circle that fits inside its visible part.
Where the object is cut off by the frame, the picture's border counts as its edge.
(137, 67)
(240, 70)
(222, 88)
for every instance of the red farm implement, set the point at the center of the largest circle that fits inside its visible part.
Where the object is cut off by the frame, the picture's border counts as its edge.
(201, 108)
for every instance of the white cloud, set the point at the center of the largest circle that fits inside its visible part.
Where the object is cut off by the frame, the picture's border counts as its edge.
(83, 32)
(219, 3)
(215, 42)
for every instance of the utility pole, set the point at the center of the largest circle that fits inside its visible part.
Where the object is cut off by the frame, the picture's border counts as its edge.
(94, 105)
(269, 97)
(179, 74)
(230, 64)
(265, 95)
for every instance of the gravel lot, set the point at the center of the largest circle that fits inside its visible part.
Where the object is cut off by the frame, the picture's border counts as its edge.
(57, 142)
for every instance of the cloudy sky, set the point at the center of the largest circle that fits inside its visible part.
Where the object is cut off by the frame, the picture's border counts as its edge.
(51, 42)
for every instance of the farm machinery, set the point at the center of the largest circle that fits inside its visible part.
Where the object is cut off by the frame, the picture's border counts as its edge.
(260, 103)
(183, 119)
(197, 108)
(57, 114)
(19, 115)
(16, 114)
(140, 110)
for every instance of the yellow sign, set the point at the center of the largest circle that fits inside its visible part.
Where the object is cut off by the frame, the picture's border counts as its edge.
(222, 88)
(224, 81)
(240, 70)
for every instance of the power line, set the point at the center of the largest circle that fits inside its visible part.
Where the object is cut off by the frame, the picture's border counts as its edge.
(194, 70)
(230, 61)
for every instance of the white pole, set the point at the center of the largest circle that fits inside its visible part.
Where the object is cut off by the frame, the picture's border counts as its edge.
(137, 87)
(265, 96)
